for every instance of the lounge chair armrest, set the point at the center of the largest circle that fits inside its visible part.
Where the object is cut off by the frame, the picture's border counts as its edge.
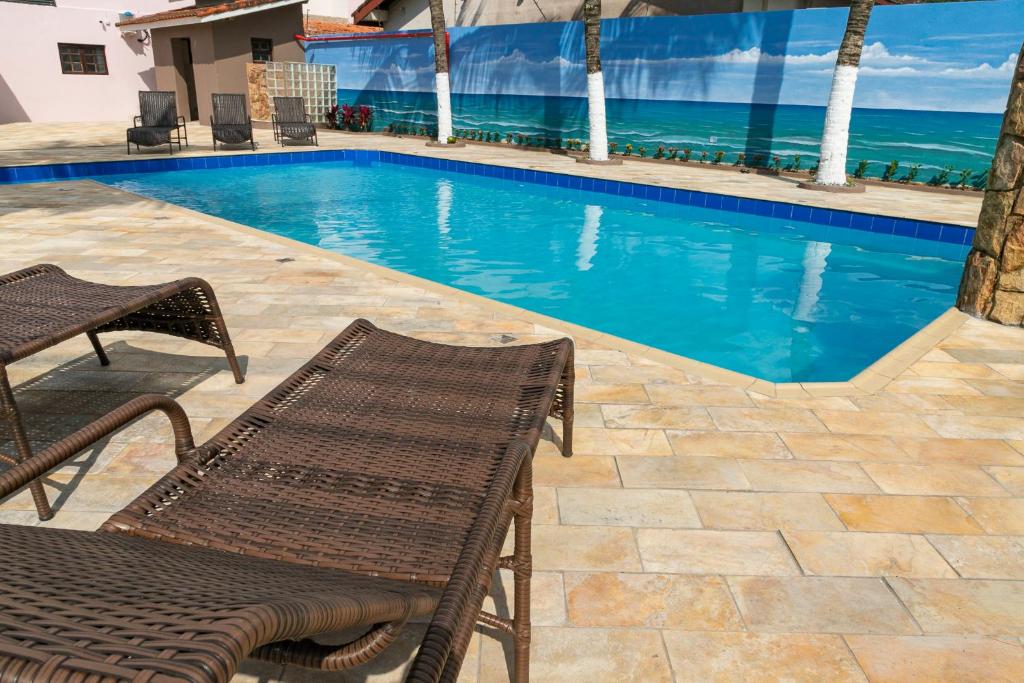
(181, 120)
(44, 461)
(136, 120)
(462, 598)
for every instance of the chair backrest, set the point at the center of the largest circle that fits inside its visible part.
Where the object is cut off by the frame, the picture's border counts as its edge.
(229, 109)
(158, 108)
(290, 109)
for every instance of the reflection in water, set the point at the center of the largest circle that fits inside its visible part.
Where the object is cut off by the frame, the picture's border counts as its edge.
(444, 207)
(815, 256)
(586, 249)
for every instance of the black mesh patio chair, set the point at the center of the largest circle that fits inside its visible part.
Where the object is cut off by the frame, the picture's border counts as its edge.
(230, 123)
(158, 123)
(291, 120)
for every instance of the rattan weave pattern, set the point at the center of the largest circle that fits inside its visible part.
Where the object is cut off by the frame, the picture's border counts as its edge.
(383, 458)
(382, 443)
(76, 603)
(42, 306)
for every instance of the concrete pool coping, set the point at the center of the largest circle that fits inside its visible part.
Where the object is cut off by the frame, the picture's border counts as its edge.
(868, 381)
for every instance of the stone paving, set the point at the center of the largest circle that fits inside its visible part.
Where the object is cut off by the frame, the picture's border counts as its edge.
(702, 532)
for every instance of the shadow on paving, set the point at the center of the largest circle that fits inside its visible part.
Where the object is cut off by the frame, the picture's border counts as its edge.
(60, 401)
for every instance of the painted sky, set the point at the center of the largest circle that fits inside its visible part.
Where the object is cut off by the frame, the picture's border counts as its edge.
(947, 57)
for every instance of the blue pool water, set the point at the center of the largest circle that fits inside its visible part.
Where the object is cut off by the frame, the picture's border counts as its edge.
(778, 299)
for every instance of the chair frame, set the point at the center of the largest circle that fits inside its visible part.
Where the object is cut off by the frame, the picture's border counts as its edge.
(508, 500)
(179, 130)
(214, 125)
(276, 123)
(148, 311)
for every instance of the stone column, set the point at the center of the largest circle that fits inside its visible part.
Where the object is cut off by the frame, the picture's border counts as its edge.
(993, 282)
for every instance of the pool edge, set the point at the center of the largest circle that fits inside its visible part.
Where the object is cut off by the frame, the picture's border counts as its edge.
(868, 381)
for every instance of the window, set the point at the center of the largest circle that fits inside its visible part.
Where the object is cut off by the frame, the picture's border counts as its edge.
(82, 59)
(262, 50)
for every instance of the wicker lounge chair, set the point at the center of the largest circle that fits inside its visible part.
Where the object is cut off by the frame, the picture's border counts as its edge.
(291, 121)
(42, 306)
(230, 123)
(375, 485)
(158, 122)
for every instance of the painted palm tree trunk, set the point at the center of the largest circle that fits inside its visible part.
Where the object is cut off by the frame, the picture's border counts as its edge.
(595, 80)
(835, 137)
(993, 282)
(441, 83)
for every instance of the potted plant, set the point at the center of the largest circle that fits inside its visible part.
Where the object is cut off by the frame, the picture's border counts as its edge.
(862, 169)
(719, 155)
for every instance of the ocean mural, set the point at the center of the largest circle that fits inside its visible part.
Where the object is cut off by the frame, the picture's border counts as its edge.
(932, 88)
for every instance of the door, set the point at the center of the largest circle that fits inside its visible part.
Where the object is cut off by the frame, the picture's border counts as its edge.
(186, 77)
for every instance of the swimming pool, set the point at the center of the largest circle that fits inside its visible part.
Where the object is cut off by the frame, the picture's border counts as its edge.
(776, 298)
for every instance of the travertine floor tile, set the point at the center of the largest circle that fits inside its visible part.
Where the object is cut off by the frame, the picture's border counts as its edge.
(819, 605)
(627, 507)
(584, 548)
(933, 480)
(975, 426)
(803, 475)
(579, 470)
(860, 554)
(997, 515)
(964, 607)
(570, 655)
(760, 658)
(937, 658)
(714, 552)
(764, 511)
(983, 557)
(651, 601)
(592, 441)
(907, 514)
(654, 417)
(874, 423)
(1012, 478)
(697, 395)
(728, 444)
(849, 447)
(766, 420)
(682, 472)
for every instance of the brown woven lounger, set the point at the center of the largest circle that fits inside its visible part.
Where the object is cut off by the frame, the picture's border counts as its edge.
(42, 306)
(375, 485)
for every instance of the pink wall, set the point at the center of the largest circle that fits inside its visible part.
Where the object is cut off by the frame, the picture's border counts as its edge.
(32, 87)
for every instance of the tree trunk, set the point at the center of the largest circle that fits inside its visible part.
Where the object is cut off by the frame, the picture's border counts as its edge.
(835, 138)
(992, 286)
(595, 80)
(442, 85)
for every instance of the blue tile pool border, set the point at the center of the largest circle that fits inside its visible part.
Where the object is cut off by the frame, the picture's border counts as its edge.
(886, 225)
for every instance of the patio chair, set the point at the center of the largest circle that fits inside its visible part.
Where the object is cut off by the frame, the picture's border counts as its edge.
(42, 306)
(230, 123)
(375, 485)
(291, 121)
(157, 120)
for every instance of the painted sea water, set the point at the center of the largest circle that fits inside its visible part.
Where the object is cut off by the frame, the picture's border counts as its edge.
(932, 139)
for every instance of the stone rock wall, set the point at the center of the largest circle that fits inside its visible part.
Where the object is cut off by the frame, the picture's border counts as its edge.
(259, 100)
(993, 282)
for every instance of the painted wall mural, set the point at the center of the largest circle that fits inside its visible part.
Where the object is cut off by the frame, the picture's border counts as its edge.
(933, 82)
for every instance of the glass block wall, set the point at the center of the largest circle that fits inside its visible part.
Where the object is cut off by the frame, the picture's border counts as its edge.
(316, 83)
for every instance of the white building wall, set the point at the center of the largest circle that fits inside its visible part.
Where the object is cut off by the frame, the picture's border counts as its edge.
(341, 9)
(32, 87)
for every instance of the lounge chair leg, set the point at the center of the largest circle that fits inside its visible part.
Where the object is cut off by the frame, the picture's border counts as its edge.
(9, 412)
(568, 385)
(522, 568)
(98, 348)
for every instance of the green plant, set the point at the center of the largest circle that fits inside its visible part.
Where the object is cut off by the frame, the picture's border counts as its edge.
(659, 153)
(687, 153)
(795, 164)
(741, 159)
(673, 152)
(628, 149)
(942, 177)
(862, 169)
(612, 146)
(912, 173)
(508, 138)
(719, 155)
(777, 164)
(965, 175)
(642, 151)
(890, 171)
(703, 156)
(520, 138)
(452, 139)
